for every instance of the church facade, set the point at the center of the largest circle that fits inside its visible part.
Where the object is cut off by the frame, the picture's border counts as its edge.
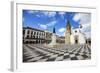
(74, 36)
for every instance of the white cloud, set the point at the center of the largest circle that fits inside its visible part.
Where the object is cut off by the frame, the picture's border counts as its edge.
(62, 14)
(86, 28)
(85, 20)
(43, 26)
(38, 15)
(52, 23)
(61, 30)
(34, 13)
(49, 14)
(77, 17)
(31, 11)
(42, 13)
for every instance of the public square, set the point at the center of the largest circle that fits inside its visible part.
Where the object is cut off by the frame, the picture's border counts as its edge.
(43, 53)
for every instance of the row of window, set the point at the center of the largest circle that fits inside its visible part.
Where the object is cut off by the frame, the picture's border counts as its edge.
(33, 37)
(33, 34)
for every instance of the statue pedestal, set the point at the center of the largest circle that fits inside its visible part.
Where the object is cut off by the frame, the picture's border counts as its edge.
(53, 42)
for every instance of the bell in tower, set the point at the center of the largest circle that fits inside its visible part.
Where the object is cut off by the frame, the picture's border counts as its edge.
(67, 33)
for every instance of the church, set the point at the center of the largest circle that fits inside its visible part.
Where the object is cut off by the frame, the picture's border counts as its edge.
(74, 36)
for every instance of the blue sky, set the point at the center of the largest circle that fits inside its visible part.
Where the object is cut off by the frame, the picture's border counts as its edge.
(46, 20)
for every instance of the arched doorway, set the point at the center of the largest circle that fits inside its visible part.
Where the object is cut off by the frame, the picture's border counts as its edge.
(76, 39)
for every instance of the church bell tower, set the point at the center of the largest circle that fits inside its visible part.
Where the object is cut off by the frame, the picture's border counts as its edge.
(67, 33)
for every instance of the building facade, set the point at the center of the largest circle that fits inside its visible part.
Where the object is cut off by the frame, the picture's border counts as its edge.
(77, 37)
(36, 36)
(31, 35)
(74, 36)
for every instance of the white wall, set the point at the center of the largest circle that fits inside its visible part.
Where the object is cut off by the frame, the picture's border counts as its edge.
(5, 36)
(81, 38)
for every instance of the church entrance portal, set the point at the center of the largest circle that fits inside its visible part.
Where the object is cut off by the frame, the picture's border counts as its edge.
(76, 39)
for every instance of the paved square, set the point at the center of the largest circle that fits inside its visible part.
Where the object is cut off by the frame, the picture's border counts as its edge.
(42, 53)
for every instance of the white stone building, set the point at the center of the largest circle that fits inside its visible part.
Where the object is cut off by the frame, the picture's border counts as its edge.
(74, 36)
(77, 37)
